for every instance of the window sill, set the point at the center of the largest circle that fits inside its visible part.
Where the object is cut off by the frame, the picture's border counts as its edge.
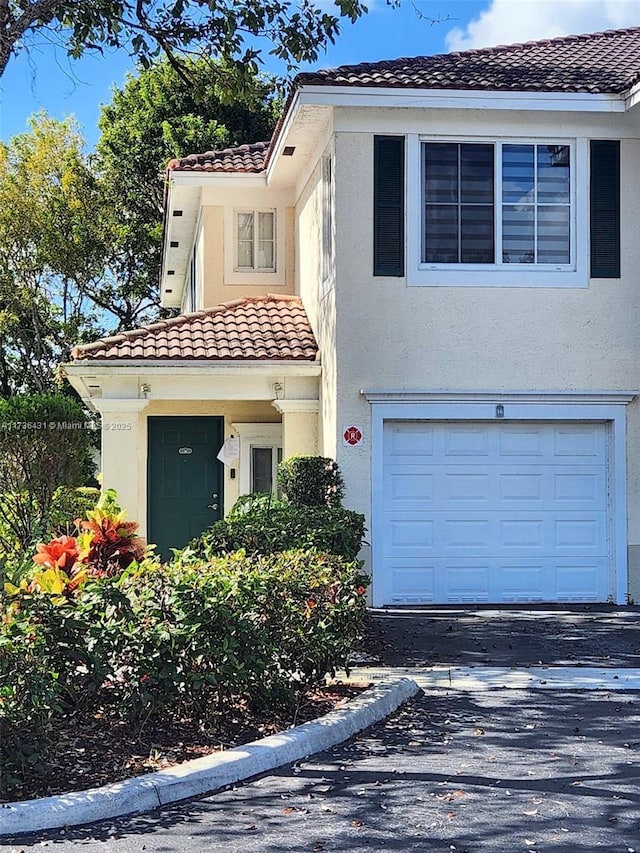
(503, 276)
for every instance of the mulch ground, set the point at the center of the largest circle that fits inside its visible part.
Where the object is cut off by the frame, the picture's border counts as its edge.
(97, 751)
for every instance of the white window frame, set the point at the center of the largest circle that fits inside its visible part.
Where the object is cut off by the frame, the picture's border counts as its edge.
(328, 240)
(268, 277)
(256, 214)
(256, 435)
(499, 274)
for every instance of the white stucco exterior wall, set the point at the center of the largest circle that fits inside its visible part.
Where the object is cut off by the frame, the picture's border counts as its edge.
(392, 336)
(319, 301)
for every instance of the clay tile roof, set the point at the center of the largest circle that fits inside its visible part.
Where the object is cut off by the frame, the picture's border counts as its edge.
(245, 158)
(607, 62)
(263, 328)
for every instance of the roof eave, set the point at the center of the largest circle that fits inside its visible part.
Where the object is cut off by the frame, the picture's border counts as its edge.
(395, 96)
(139, 367)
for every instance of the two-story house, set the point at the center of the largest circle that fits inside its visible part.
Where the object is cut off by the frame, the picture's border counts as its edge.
(432, 274)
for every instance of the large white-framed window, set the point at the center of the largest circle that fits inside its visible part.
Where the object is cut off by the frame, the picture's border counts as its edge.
(260, 455)
(497, 212)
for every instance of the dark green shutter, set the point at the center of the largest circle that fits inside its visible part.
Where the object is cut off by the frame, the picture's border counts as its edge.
(388, 205)
(605, 209)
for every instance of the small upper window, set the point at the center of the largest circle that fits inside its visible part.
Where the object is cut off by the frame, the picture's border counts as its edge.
(256, 240)
(502, 203)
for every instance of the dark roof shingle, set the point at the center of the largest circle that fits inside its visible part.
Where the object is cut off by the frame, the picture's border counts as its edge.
(272, 327)
(607, 63)
(597, 63)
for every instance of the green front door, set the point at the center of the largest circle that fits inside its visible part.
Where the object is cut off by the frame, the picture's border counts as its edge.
(184, 479)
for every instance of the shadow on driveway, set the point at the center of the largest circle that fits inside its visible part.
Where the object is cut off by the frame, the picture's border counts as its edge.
(580, 635)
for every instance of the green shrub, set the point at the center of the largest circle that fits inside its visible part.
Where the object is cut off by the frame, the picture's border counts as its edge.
(310, 481)
(44, 444)
(262, 525)
(185, 638)
(67, 505)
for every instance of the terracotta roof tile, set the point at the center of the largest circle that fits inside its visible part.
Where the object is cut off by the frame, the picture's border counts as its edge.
(263, 328)
(607, 62)
(245, 158)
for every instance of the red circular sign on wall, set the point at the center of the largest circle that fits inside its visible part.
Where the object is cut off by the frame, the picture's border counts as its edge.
(352, 436)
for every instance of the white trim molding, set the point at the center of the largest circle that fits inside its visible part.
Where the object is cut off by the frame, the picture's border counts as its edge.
(606, 407)
(466, 99)
(286, 407)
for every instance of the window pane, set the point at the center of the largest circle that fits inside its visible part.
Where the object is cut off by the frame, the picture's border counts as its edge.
(476, 174)
(245, 254)
(265, 226)
(261, 469)
(553, 174)
(265, 255)
(518, 234)
(245, 226)
(441, 172)
(441, 234)
(476, 226)
(554, 234)
(517, 174)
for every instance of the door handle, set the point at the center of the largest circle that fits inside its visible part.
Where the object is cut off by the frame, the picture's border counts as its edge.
(213, 506)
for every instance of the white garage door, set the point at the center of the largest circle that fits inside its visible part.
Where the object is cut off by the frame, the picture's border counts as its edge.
(494, 512)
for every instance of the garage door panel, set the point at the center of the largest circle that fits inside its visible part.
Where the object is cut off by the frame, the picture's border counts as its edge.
(465, 441)
(585, 488)
(463, 534)
(467, 582)
(524, 581)
(580, 535)
(462, 487)
(581, 580)
(582, 441)
(409, 488)
(518, 533)
(495, 513)
(409, 441)
(522, 488)
(412, 581)
(408, 536)
(529, 443)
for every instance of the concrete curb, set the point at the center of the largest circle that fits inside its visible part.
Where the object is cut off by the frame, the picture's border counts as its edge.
(454, 677)
(210, 773)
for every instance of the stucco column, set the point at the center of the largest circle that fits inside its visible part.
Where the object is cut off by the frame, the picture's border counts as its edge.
(299, 426)
(124, 454)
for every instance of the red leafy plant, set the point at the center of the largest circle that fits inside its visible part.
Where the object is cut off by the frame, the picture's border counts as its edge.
(106, 545)
(109, 544)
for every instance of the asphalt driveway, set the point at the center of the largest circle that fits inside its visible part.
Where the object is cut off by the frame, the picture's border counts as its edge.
(597, 635)
(493, 771)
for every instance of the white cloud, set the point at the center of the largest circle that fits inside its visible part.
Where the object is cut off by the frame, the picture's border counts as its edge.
(509, 21)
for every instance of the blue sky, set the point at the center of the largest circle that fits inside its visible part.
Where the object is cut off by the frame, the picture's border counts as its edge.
(47, 79)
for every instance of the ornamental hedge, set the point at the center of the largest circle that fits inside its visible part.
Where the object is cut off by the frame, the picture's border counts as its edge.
(189, 638)
(260, 524)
